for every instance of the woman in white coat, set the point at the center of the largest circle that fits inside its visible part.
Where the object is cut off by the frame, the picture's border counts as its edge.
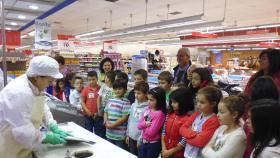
(23, 110)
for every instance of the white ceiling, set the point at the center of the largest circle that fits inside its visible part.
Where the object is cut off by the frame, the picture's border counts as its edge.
(89, 15)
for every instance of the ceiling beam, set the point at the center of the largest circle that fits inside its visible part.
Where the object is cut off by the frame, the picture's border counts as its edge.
(17, 20)
(40, 2)
(23, 11)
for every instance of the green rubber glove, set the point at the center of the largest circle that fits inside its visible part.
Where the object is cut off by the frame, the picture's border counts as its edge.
(54, 128)
(52, 138)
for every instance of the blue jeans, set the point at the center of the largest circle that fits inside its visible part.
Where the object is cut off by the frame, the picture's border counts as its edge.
(119, 143)
(150, 150)
(89, 124)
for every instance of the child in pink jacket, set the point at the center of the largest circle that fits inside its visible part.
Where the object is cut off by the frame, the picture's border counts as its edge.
(151, 123)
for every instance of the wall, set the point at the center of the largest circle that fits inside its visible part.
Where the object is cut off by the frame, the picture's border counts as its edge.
(228, 55)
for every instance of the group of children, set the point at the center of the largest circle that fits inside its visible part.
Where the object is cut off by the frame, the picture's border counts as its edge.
(191, 121)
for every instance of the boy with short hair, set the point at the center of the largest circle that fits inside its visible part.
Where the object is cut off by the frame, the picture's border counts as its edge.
(75, 96)
(165, 80)
(89, 100)
(116, 115)
(138, 107)
(138, 75)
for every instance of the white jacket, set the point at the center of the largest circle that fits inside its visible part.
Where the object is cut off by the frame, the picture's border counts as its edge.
(16, 101)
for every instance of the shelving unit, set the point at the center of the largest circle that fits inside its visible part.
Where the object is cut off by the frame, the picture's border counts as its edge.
(89, 63)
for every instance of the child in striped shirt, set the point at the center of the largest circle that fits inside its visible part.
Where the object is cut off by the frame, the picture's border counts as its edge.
(116, 115)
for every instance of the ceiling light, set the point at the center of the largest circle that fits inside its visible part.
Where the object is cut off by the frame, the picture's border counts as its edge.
(13, 23)
(8, 28)
(21, 17)
(34, 7)
(241, 28)
(89, 33)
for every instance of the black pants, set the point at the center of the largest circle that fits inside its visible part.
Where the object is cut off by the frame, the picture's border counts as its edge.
(132, 146)
(99, 127)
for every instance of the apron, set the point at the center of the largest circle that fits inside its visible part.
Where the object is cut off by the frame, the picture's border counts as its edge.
(9, 146)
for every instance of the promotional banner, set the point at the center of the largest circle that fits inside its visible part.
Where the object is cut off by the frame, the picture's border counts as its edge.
(42, 35)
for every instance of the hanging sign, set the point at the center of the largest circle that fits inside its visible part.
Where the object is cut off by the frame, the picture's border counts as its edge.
(12, 38)
(257, 32)
(42, 35)
(65, 42)
(206, 35)
(110, 46)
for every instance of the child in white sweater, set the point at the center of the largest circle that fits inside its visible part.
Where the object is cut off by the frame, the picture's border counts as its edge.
(229, 140)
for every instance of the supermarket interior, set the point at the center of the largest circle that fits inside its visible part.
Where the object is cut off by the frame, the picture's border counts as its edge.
(231, 39)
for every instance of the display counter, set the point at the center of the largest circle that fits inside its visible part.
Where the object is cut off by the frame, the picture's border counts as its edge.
(101, 149)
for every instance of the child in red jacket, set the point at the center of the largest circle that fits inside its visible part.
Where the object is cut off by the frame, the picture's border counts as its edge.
(172, 142)
(200, 127)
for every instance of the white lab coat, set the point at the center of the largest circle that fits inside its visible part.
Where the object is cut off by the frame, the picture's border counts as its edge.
(16, 101)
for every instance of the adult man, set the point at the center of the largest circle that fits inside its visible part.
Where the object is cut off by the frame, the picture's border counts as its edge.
(22, 110)
(180, 71)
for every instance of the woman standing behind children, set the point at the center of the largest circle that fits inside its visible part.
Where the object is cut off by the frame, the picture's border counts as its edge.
(201, 126)
(133, 134)
(151, 123)
(172, 143)
(229, 140)
(105, 93)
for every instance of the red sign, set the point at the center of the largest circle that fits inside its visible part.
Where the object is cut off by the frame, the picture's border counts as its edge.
(84, 43)
(206, 35)
(269, 44)
(12, 38)
(257, 32)
(27, 52)
(65, 37)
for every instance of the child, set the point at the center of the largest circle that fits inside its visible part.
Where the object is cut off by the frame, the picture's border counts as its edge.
(229, 140)
(264, 124)
(141, 103)
(165, 80)
(116, 115)
(151, 123)
(105, 93)
(172, 143)
(138, 75)
(75, 96)
(60, 91)
(89, 99)
(200, 78)
(200, 127)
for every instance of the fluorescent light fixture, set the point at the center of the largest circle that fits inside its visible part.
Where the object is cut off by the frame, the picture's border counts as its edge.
(54, 40)
(242, 48)
(184, 34)
(32, 33)
(21, 17)
(8, 28)
(23, 36)
(89, 33)
(268, 26)
(33, 7)
(14, 23)
(241, 28)
(182, 24)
